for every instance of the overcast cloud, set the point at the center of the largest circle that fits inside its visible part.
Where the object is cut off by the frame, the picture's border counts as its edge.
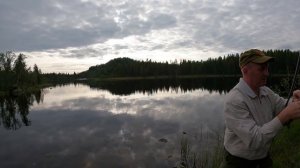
(162, 30)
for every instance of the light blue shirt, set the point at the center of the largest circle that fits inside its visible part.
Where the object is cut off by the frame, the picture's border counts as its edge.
(251, 122)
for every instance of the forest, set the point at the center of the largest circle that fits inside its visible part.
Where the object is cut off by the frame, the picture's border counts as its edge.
(14, 72)
(285, 62)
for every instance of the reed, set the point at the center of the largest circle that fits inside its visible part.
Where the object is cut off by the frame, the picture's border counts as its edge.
(285, 149)
(202, 156)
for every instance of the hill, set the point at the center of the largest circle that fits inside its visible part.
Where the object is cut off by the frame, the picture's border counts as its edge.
(126, 67)
(285, 62)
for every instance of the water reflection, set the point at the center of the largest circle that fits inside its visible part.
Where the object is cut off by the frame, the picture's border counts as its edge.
(15, 109)
(127, 87)
(76, 126)
(83, 137)
(104, 125)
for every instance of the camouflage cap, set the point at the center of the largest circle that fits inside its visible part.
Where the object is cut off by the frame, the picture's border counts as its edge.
(255, 56)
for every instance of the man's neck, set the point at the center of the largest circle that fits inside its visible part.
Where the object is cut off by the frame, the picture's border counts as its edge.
(254, 87)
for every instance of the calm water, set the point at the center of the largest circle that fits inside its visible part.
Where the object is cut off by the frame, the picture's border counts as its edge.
(112, 124)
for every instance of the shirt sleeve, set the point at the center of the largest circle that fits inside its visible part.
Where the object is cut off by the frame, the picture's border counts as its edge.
(239, 120)
(277, 101)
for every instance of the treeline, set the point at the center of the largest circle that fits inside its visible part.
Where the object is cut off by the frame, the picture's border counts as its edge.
(126, 67)
(14, 72)
(285, 62)
(59, 78)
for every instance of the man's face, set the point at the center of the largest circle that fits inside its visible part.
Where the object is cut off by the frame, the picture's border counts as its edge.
(258, 73)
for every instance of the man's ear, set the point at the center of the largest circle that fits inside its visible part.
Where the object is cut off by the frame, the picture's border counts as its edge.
(244, 70)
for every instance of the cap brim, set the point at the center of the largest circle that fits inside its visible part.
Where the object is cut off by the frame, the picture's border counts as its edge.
(263, 59)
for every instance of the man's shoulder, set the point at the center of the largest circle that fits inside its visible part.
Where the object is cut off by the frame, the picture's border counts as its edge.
(267, 91)
(234, 95)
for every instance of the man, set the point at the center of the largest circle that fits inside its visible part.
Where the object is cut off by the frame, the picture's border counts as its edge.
(254, 114)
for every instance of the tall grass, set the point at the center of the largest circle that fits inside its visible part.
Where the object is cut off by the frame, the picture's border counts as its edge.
(202, 156)
(285, 149)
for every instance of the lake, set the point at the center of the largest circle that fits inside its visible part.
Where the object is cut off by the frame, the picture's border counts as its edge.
(113, 124)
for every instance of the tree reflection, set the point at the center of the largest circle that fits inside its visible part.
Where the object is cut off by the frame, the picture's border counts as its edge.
(149, 86)
(15, 109)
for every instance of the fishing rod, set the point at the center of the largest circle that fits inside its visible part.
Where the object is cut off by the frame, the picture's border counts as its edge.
(294, 80)
(293, 85)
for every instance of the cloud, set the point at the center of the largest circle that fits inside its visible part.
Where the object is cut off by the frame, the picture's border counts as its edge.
(162, 20)
(60, 24)
(192, 29)
(53, 24)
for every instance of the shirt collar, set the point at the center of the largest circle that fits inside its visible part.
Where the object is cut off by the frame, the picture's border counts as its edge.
(245, 88)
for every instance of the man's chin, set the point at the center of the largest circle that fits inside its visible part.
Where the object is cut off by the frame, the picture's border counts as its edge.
(263, 83)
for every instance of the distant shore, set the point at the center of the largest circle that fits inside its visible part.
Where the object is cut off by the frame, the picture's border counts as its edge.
(161, 77)
(176, 77)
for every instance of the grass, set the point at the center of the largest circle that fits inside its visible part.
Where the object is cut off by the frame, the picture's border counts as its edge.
(200, 157)
(285, 149)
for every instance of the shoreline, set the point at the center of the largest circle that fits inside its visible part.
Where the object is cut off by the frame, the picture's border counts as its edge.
(174, 77)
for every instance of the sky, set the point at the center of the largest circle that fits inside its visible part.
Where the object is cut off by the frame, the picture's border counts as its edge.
(71, 35)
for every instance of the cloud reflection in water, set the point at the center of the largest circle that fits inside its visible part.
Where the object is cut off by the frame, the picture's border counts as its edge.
(79, 127)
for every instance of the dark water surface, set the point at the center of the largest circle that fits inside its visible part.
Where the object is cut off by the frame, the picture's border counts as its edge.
(112, 124)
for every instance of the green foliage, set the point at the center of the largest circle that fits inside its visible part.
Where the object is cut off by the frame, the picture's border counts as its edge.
(37, 74)
(20, 69)
(15, 73)
(285, 149)
(6, 61)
